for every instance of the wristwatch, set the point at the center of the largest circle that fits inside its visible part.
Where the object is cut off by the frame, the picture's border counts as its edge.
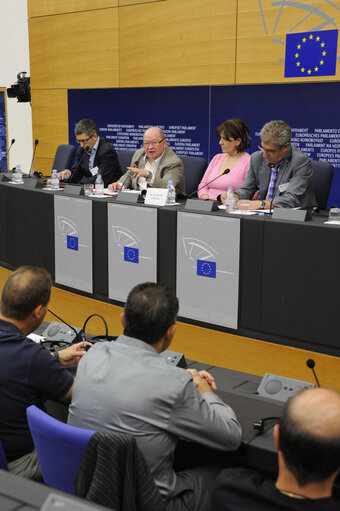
(263, 204)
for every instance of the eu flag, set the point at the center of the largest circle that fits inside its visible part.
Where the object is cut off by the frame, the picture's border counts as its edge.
(72, 242)
(131, 255)
(311, 53)
(206, 268)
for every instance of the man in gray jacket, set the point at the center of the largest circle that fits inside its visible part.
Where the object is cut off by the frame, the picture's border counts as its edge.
(126, 386)
(280, 173)
(153, 165)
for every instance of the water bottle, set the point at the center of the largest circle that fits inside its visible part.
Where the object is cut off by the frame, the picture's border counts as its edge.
(17, 174)
(230, 201)
(99, 185)
(54, 180)
(171, 193)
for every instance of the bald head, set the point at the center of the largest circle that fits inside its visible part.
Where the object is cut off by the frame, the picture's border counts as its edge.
(309, 435)
(27, 288)
(154, 143)
(316, 411)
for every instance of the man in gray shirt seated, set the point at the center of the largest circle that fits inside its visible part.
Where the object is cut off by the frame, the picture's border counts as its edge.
(126, 386)
(153, 165)
(280, 173)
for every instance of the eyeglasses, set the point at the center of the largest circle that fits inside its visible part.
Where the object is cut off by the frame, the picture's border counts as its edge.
(269, 151)
(84, 140)
(155, 144)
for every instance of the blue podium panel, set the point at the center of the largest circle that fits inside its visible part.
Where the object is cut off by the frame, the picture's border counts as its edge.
(132, 245)
(208, 268)
(73, 242)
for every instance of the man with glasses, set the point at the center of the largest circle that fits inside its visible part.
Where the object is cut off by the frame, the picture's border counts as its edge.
(280, 173)
(153, 165)
(95, 156)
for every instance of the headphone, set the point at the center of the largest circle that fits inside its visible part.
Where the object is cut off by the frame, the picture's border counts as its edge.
(259, 426)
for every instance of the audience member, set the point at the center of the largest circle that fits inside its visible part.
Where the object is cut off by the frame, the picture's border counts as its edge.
(95, 156)
(234, 140)
(308, 444)
(153, 165)
(29, 374)
(128, 387)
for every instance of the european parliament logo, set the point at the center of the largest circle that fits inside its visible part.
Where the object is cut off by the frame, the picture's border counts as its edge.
(311, 54)
(72, 242)
(206, 268)
(131, 255)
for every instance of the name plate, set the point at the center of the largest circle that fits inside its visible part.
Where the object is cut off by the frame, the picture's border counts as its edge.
(156, 196)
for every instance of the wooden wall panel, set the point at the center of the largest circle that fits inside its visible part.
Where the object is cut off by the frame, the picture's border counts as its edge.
(50, 7)
(177, 43)
(43, 165)
(122, 3)
(50, 120)
(75, 50)
(261, 37)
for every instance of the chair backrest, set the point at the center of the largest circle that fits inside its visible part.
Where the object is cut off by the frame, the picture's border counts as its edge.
(3, 461)
(60, 448)
(194, 168)
(64, 157)
(323, 175)
(125, 158)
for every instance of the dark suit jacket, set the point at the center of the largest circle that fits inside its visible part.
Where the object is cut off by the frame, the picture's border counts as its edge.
(106, 160)
(294, 185)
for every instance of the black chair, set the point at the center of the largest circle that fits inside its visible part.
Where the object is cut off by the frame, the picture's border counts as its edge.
(64, 157)
(125, 158)
(194, 168)
(323, 175)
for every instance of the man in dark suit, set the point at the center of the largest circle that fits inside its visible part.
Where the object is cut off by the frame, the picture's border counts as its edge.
(280, 173)
(95, 156)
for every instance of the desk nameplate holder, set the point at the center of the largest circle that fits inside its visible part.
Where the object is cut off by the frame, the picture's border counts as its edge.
(201, 205)
(32, 183)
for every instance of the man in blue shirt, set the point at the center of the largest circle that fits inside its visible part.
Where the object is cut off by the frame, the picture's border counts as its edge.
(29, 374)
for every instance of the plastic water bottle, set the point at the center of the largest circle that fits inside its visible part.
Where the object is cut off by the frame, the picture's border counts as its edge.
(54, 180)
(171, 193)
(18, 174)
(99, 185)
(230, 201)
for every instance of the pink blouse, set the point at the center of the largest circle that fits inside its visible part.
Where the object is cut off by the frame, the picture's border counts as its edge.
(234, 179)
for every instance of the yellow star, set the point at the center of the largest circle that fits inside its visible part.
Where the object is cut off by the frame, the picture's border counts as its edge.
(321, 62)
(318, 38)
(298, 46)
(309, 71)
(311, 36)
(304, 40)
(316, 69)
(322, 45)
(323, 53)
(296, 55)
(302, 70)
(298, 63)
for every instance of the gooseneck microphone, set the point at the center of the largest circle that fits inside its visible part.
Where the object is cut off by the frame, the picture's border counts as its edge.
(206, 184)
(86, 149)
(6, 155)
(36, 142)
(129, 174)
(311, 364)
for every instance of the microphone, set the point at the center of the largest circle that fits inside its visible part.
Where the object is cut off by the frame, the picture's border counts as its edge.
(36, 142)
(200, 188)
(129, 174)
(78, 335)
(311, 364)
(86, 149)
(6, 155)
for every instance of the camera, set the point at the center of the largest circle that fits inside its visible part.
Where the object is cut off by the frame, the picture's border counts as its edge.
(21, 89)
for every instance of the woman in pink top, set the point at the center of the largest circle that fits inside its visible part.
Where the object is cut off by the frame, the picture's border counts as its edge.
(234, 135)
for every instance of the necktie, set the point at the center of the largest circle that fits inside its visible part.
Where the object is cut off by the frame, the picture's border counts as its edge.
(273, 177)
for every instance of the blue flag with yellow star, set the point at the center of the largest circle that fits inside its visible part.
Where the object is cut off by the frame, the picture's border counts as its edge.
(311, 54)
(206, 268)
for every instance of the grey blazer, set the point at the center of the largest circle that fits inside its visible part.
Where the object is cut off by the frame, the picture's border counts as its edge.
(296, 171)
(170, 167)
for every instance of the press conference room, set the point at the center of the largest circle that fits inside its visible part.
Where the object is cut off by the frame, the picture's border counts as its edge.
(263, 307)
